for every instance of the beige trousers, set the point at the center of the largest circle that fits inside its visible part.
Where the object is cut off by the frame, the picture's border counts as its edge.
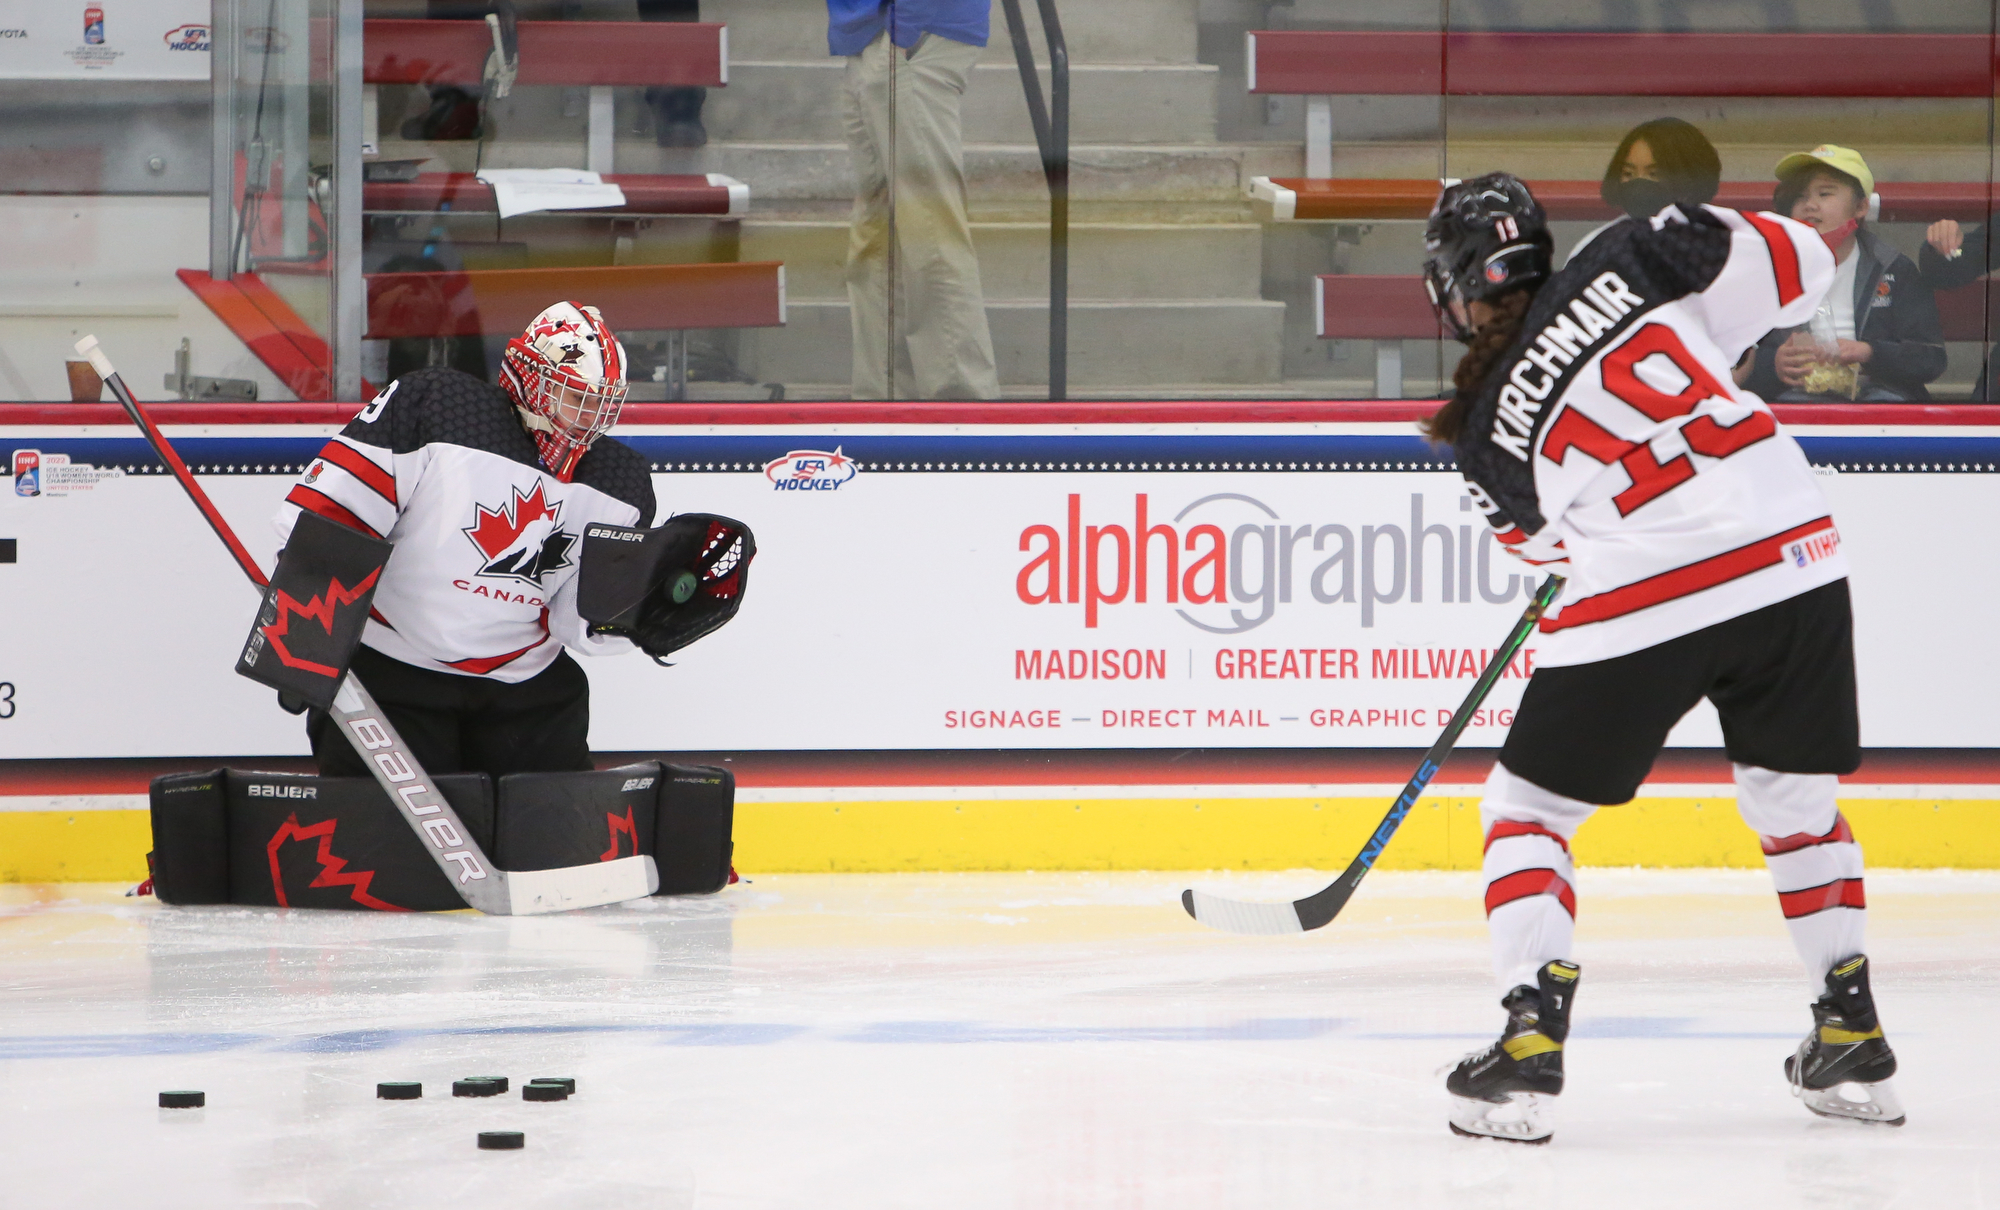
(941, 345)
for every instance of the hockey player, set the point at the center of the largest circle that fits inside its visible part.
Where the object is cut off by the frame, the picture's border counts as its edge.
(485, 492)
(1596, 421)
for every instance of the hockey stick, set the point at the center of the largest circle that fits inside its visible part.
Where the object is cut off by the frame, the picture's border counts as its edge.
(1315, 911)
(479, 882)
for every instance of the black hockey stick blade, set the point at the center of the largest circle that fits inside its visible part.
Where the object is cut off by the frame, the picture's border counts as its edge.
(1317, 910)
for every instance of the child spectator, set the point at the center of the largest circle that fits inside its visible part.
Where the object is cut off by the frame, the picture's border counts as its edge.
(1877, 337)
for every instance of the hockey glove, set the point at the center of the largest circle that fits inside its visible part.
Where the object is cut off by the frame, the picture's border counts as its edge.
(664, 588)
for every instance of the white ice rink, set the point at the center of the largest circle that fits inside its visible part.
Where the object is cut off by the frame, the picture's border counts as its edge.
(969, 1041)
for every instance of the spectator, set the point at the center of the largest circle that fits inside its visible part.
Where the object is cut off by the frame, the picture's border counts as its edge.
(1657, 164)
(1951, 258)
(940, 342)
(676, 111)
(1876, 337)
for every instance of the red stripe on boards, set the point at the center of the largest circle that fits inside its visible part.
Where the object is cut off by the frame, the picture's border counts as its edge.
(1683, 581)
(1784, 256)
(1840, 833)
(1841, 892)
(1514, 827)
(347, 458)
(318, 502)
(1523, 883)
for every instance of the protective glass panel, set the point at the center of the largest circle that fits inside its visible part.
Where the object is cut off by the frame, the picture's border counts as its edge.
(1893, 100)
(171, 179)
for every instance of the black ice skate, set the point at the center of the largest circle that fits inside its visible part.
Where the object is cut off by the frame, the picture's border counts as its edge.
(1503, 1092)
(1845, 1054)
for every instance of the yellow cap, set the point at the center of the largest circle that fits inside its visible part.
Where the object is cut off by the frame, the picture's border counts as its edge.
(1845, 159)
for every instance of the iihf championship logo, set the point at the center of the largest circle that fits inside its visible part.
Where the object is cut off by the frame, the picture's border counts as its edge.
(521, 540)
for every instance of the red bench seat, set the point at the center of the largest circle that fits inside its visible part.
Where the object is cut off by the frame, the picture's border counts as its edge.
(1285, 199)
(644, 194)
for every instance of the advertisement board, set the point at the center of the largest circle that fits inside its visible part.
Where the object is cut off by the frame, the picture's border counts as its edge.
(104, 39)
(965, 587)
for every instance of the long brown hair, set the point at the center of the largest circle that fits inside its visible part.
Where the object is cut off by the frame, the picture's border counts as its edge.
(1488, 343)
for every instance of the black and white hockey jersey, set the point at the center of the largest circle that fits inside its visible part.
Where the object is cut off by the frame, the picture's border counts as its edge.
(1611, 444)
(487, 540)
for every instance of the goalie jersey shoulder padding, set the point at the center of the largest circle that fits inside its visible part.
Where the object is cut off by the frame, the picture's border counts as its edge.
(1611, 442)
(487, 540)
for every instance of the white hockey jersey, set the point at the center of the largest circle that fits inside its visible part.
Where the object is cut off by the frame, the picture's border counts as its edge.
(484, 571)
(1610, 443)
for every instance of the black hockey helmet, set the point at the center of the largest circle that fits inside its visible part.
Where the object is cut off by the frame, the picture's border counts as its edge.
(1485, 237)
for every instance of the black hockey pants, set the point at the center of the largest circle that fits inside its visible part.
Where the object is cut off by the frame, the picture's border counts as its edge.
(468, 724)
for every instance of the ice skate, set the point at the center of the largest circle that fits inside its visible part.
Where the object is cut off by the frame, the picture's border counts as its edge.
(1842, 1068)
(1507, 1090)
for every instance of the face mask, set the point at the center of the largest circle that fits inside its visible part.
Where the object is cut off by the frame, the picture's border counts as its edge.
(1642, 199)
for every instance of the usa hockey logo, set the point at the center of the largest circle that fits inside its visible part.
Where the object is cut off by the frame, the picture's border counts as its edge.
(810, 471)
(521, 540)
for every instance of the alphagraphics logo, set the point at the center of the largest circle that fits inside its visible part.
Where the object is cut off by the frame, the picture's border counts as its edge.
(190, 37)
(810, 471)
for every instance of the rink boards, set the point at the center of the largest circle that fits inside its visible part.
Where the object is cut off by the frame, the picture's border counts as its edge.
(981, 586)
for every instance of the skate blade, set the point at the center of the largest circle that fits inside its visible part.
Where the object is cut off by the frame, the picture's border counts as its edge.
(1877, 1104)
(1524, 1117)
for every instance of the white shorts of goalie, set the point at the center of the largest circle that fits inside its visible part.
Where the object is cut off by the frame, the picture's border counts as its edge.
(973, 1041)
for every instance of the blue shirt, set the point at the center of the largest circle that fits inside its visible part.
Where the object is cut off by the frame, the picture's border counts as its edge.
(853, 24)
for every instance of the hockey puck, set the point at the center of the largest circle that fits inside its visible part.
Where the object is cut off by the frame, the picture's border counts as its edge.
(568, 1082)
(683, 587)
(477, 1087)
(544, 1092)
(183, 1100)
(502, 1140)
(499, 1082)
(399, 1090)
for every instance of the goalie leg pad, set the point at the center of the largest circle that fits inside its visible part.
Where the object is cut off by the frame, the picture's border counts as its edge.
(296, 840)
(546, 821)
(693, 839)
(190, 857)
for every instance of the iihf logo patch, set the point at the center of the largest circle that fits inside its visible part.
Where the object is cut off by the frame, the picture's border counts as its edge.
(521, 539)
(1496, 272)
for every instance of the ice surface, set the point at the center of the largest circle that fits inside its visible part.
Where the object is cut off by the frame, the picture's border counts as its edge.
(968, 1041)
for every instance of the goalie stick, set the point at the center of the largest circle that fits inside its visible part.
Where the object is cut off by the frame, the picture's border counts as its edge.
(1318, 910)
(479, 882)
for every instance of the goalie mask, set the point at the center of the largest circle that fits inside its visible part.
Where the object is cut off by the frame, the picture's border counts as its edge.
(566, 375)
(1486, 237)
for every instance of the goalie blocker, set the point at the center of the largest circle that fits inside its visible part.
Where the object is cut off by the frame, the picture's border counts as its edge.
(232, 836)
(314, 610)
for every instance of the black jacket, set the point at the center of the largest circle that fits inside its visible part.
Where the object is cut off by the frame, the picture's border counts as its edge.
(1972, 264)
(1894, 311)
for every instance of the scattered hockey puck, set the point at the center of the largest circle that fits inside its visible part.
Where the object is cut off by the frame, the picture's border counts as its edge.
(183, 1100)
(544, 1092)
(502, 1140)
(499, 1082)
(399, 1090)
(568, 1082)
(476, 1087)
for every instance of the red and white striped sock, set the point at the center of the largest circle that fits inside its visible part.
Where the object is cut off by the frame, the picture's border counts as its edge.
(1530, 880)
(1814, 860)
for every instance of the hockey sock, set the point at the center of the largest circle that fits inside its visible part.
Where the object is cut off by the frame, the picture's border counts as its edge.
(1814, 861)
(1530, 881)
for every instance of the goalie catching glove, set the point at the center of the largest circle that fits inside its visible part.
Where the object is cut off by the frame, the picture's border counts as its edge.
(664, 588)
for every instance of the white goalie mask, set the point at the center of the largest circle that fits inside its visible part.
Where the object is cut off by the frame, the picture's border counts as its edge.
(566, 375)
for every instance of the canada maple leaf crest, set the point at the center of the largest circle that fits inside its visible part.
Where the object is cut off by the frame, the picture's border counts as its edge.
(521, 539)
